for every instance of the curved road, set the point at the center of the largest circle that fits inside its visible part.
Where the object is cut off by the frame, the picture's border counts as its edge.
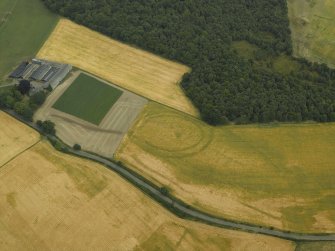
(197, 215)
(182, 208)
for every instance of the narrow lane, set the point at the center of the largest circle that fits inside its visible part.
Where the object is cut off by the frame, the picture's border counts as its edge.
(199, 216)
(176, 206)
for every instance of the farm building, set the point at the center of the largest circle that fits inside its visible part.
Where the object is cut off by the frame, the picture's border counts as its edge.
(18, 72)
(42, 72)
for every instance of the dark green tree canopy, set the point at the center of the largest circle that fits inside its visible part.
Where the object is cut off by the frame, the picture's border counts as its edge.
(47, 126)
(24, 86)
(77, 147)
(224, 82)
(38, 98)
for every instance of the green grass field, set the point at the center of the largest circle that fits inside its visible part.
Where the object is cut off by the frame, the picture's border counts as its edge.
(88, 98)
(283, 64)
(313, 29)
(279, 162)
(24, 26)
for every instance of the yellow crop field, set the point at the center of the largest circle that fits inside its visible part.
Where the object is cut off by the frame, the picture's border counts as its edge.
(52, 201)
(277, 175)
(14, 138)
(313, 30)
(136, 70)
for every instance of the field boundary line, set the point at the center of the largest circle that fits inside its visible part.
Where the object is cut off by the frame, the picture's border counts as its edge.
(196, 115)
(173, 204)
(18, 154)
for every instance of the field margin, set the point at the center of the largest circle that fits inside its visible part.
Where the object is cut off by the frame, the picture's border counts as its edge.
(175, 205)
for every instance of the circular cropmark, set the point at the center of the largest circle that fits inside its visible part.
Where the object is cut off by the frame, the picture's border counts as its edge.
(172, 135)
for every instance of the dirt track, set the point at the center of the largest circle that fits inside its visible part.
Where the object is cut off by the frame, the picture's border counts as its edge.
(103, 139)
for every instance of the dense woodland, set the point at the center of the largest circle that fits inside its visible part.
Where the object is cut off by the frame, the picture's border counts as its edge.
(225, 83)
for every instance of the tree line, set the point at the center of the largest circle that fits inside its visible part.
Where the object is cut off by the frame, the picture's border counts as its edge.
(223, 85)
(18, 99)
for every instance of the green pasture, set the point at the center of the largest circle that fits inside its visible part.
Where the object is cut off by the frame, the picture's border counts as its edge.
(24, 26)
(88, 98)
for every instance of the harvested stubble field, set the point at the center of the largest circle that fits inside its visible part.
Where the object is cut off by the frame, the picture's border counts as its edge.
(14, 138)
(52, 201)
(135, 70)
(88, 98)
(103, 138)
(24, 27)
(313, 30)
(277, 175)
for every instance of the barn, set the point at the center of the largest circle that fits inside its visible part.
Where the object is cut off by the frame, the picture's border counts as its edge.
(47, 73)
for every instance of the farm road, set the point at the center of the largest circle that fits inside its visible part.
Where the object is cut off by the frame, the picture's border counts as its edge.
(179, 207)
(102, 139)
